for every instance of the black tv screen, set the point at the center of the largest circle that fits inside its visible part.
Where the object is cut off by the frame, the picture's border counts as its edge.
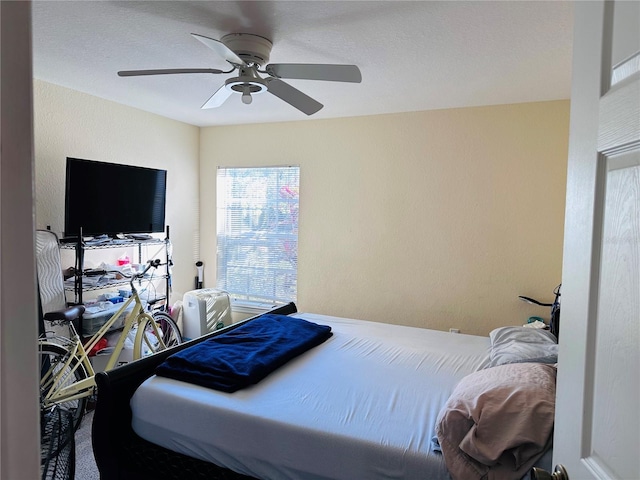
(109, 198)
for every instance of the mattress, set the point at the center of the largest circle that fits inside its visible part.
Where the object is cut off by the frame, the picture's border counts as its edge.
(361, 405)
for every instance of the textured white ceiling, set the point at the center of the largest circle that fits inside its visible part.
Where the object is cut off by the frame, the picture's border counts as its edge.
(416, 55)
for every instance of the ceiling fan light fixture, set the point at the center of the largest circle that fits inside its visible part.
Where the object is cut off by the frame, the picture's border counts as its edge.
(246, 85)
(246, 96)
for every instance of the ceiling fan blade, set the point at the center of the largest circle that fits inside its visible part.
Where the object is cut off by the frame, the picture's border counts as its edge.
(167, 71)
(222, 50)
(292, 96)
(309, 71)
(217, 98)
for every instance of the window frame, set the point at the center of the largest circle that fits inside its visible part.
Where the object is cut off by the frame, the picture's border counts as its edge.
(257, 218)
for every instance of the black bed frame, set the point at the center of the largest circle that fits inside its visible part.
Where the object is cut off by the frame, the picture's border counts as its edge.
(119, 452)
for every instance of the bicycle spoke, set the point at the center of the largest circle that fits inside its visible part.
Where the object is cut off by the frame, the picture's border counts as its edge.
(158, 333)
(60, 371)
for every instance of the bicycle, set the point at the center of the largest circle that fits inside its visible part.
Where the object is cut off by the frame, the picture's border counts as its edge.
(67, 377)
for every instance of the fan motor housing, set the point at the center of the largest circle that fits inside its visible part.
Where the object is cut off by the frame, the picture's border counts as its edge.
(250, 48)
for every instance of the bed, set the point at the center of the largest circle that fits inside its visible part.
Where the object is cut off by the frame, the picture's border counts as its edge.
(364, 404)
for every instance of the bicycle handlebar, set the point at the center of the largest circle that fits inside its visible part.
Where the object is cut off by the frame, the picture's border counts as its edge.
(155, 263)
(534, 301)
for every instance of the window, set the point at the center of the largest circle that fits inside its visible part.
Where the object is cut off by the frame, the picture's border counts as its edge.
(257, 227)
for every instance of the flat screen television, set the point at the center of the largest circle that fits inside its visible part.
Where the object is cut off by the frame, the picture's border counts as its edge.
(109, 198)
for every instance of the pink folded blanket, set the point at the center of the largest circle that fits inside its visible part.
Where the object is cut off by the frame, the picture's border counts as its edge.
(498, 422)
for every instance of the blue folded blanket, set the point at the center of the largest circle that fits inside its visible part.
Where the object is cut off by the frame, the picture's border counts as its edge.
(245, 355)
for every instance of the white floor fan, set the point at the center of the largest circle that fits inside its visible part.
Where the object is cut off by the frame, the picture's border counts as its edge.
(247, 53)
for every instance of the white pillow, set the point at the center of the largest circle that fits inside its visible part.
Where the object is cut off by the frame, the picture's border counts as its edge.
(521, 344)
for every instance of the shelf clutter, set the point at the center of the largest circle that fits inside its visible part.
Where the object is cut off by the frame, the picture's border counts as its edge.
(98, 312)
(82, 280)
(104, 241)
(104, 276)
(113, 278)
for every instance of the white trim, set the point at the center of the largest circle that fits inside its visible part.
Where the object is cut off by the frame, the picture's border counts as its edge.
(19, 417)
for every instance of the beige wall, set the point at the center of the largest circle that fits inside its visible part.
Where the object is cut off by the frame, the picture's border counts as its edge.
(70, 123)
(435, 219)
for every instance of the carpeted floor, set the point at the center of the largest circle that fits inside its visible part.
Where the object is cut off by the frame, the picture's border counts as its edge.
(85, 464)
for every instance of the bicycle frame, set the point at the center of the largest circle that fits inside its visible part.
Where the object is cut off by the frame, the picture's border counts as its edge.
(79, 352)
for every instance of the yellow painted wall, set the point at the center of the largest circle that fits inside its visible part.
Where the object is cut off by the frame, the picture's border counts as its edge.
(434, 219)
(68, 123)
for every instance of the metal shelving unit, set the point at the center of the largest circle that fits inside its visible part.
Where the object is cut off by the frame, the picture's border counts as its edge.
(81, 247)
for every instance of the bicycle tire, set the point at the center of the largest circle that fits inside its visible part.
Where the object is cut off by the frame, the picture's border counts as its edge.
(171, 336)
(52, 359)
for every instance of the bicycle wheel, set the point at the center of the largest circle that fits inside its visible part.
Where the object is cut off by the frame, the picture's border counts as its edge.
(158, 335)
(56, 373)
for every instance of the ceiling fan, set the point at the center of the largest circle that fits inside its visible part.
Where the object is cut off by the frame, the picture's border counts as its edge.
(247, 53)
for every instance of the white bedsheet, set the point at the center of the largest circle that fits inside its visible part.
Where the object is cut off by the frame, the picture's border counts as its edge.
(362, 405)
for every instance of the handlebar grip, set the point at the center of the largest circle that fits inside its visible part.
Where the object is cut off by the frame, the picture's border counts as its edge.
(534, 301)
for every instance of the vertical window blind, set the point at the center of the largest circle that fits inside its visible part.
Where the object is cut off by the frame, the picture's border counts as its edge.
(257, 232)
